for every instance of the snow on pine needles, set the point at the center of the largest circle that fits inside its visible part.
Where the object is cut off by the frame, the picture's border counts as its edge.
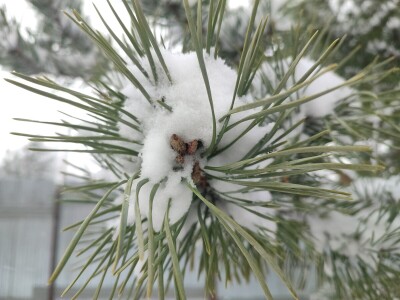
(177, 131)
(196, 162)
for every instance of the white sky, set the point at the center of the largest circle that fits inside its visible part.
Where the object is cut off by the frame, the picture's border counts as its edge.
(17, 102)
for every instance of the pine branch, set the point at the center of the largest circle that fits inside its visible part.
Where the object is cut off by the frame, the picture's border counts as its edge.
(196, 156)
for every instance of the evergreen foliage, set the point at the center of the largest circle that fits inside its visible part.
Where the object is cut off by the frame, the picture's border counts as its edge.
(372, 26)
(54, 47)
(323, 206)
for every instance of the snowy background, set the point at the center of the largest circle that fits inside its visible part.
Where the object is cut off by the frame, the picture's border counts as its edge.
(17, 102)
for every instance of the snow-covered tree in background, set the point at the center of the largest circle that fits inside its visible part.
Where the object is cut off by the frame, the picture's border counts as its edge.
(233, 139)
(55, 47)
(24, 163)
(371, 25)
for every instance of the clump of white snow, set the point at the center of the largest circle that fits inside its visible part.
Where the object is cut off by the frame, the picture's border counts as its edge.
(242, 214)
(188, 119)
(323, 105)
(360, 236)
(319, 107)
(271, 73)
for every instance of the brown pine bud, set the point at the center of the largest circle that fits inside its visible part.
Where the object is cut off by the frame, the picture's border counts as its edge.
(198, 176)
(192, 147)
(285, 179)
(180, 159)
(177, 144)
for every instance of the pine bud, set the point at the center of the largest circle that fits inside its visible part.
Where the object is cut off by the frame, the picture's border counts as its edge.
(177, 144)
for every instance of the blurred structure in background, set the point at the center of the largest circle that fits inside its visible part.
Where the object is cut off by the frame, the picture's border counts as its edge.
(32, 213)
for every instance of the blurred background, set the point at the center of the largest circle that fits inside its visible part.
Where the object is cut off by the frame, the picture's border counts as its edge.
(36, 38)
